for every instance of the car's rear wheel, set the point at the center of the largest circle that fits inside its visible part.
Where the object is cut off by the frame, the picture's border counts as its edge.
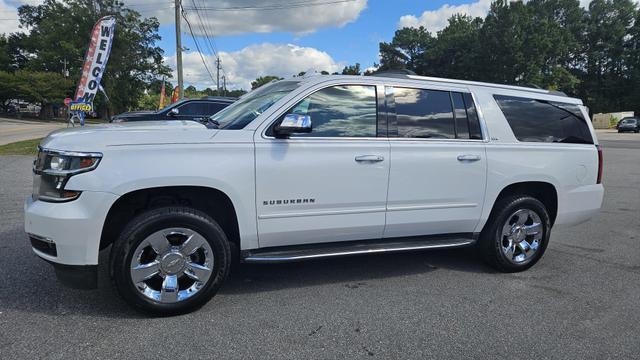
(516, 234)
(170, 260)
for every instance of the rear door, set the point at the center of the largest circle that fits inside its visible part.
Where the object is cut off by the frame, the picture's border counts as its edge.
(438, 163)
(328, 185)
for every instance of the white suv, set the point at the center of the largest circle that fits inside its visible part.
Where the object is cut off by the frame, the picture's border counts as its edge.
(313, 167)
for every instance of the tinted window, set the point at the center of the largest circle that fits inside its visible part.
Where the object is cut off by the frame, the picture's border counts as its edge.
(347, 111)
(251, 105)
(424, 113)
(194, 108)
(213, 108)
(544, 121)
(460, 111)
(474, 123)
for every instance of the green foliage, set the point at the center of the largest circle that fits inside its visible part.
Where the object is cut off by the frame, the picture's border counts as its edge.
(44, 88)
(613, 121)
(554, 44)
(5, 58)
(60, 30)
(265, 80)
(26, 147)
(352, 70)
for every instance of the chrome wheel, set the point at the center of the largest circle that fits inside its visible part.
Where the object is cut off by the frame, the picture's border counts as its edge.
(171, 265)
(521, 236)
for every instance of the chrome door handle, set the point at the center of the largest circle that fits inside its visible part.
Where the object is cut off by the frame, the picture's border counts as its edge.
(369, 158)
(469, 158)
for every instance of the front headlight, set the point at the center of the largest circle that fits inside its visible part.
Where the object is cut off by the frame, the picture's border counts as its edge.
(52, 170)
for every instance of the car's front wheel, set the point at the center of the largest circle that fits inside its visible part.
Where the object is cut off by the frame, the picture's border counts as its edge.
(170, 260)
(516, 234)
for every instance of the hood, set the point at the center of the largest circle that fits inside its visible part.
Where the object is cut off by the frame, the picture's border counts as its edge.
(96, 137)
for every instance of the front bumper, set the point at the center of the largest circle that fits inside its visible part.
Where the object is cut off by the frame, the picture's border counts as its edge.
(68, 234)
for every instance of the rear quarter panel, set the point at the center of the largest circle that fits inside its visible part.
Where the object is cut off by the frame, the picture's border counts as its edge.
(571, 168)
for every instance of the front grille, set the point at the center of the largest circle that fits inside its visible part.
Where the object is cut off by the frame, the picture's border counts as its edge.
(44, 246)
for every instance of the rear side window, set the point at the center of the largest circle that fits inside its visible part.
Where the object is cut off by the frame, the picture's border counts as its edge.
(534, 120)
(435, 114)
(424, 113)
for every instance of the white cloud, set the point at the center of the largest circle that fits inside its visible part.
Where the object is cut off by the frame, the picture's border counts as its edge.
(8, 18)
(260, 16)
(245, 65)
(435, 20)
(257, 16)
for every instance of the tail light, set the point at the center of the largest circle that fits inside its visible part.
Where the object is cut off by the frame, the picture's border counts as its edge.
(600, 165)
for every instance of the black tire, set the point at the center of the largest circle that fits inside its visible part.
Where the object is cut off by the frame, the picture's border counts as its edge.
(637, 131)
(147, 223)
(491, 238)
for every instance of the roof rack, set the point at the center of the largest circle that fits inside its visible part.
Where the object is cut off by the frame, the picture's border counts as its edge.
(396, 73)
(408, 74)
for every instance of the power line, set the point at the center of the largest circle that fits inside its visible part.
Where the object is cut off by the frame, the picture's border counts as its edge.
(276, 7)
(210, 41)
(197, 46)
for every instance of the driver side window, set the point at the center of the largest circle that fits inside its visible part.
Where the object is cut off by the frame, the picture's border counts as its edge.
(340, 111)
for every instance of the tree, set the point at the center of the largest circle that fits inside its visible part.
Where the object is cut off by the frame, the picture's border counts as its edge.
(44, 88)
(454, 52)
(553, 44)
(135, 59)
(351, 70)
(406, 49)
(609, 55)
(5, 59)
(263, 80)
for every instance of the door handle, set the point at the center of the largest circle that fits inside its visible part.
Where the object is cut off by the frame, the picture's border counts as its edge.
(469, 158)
(369, 158)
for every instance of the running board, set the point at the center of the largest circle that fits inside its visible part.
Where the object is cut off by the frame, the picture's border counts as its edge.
(326, 250)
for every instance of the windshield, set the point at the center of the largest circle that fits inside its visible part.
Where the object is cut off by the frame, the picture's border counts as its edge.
(629, 121)
(249, 107)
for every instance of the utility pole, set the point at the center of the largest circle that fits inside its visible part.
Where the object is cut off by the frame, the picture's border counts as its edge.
(224, 85)
(218, 74)
(178, 5)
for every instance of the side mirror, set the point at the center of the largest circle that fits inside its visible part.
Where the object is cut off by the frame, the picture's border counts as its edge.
(174, 112)
(293, 124)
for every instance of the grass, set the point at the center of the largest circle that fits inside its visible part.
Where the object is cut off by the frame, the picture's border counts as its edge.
(26, 147)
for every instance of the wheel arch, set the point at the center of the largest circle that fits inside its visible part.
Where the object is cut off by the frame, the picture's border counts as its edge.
(543, 191)
(212, 201)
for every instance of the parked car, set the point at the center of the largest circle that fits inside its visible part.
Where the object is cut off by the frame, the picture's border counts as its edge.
(313, 167)
(629, 124)
(187, 109)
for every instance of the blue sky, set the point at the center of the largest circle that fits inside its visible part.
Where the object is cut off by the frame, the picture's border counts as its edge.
(291, 36)
(354, 42)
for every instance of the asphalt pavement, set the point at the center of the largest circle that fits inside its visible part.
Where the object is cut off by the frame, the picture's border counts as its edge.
(12, 130)
(579, 302)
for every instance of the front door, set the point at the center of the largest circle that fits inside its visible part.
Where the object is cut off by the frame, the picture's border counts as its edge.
(328, 185)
